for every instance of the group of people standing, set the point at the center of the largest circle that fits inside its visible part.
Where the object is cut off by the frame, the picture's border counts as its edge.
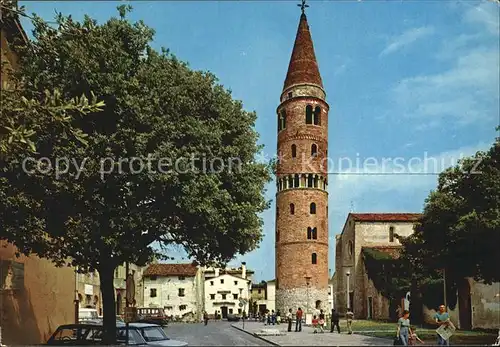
(318, 321)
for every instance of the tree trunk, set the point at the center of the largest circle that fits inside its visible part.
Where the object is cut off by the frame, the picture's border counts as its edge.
(106, 275)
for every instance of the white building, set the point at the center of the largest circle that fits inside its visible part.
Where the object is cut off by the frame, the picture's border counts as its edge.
(175, 287)
(225, 289)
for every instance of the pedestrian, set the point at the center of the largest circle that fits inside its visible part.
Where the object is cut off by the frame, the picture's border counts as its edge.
(266, 317)
(278, 317)
(298, 322)
(273, 317)
(350, 316)
(404, 331)
(335, 321)
(205, 317)
(315, 324)
(289, 319)
(414, 337)
(442, 318)
(321, 321)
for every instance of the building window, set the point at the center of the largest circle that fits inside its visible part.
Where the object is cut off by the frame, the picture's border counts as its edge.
(182, 307)
(350, 248)
(235, 296)
(315, 234)
(294, 151)
(152, 293)
(153, 278)
(239, 311)
(224, 296)
(310, 181)
(211, 283)
(317, 116)
(222, 281)
(235, 283)
(282, 120)
(314, 258)
(314, 150)
(290, 182)
(231, 311)
(391, 234)
(212, 296)
(312, 208)
(296, 182)
(181, 291)
(309, 233)
(292, 209)
(182, 278)
(309, 114)
(290, 95)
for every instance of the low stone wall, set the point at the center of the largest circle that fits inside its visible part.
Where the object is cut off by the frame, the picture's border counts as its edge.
(298, 297)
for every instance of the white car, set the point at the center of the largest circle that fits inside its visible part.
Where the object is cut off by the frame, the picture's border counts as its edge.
(152, 334)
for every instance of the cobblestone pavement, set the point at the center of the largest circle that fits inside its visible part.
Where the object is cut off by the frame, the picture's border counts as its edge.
(307, 337)
(214, 334)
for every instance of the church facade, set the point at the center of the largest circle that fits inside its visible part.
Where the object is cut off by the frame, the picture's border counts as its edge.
(302, 199)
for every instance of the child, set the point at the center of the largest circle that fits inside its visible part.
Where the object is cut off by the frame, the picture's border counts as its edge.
(315, 324)
(414, 337)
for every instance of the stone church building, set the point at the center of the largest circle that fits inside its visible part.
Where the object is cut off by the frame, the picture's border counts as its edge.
(301, 199)
(366, 230)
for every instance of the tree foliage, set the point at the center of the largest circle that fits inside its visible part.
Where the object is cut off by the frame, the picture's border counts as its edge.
(155, 109)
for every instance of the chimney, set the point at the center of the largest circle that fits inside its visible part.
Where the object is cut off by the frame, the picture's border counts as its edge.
(244, 270)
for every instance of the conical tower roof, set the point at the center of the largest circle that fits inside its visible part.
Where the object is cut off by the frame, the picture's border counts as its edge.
(303, 67)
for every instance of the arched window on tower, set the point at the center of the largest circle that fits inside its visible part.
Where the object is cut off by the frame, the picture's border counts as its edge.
(294, 151)
(309, 114)
(314, 258)
(312, 208)
(297, 181)
(282, 120)
(292, 209)
(315, 233)
(317, 115)
(314, 150)
(309, 233)
(310, 182)
(316, 180)
(290, 181)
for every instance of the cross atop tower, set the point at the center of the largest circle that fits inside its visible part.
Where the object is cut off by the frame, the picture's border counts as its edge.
(303, 6)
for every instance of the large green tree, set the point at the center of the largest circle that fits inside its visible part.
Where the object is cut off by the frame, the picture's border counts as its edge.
(460, 228)
(198, 185)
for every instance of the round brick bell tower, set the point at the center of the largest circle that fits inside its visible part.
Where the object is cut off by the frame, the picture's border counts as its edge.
(302, 197)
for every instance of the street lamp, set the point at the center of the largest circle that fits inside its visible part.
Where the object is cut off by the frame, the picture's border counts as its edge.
(348, 273)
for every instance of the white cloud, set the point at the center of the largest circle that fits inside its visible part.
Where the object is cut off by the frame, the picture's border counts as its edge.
(487, 14)
(407, 38)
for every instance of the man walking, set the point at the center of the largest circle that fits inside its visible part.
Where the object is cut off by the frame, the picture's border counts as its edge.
(205, 317)
(442, 318)
(298, 317)
(335, 321)
(289, 320)
(350, 316)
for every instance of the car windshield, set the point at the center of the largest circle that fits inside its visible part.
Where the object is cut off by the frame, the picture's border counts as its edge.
(153, 334)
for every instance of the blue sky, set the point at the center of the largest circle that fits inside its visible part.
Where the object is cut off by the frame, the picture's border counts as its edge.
(408, 79)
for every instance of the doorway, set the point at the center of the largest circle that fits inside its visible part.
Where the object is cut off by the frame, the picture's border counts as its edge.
(318, 304)
(118, 304)
(370, 308)
(223, 310)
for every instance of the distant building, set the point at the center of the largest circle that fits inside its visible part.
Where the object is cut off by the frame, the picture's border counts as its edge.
(176, 288)
(227, 290)
(258, 298)
(366, 230)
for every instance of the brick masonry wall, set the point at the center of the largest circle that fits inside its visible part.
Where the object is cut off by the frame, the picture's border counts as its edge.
(298, 297)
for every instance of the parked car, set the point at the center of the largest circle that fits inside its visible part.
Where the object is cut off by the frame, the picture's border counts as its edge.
(140, 334)
(152, 315)
(86, 314)
(233, 317)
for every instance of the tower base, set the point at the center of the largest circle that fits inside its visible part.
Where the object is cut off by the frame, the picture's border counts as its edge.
(298, 297)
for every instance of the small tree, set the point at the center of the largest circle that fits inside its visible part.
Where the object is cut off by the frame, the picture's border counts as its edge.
(198, 186)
